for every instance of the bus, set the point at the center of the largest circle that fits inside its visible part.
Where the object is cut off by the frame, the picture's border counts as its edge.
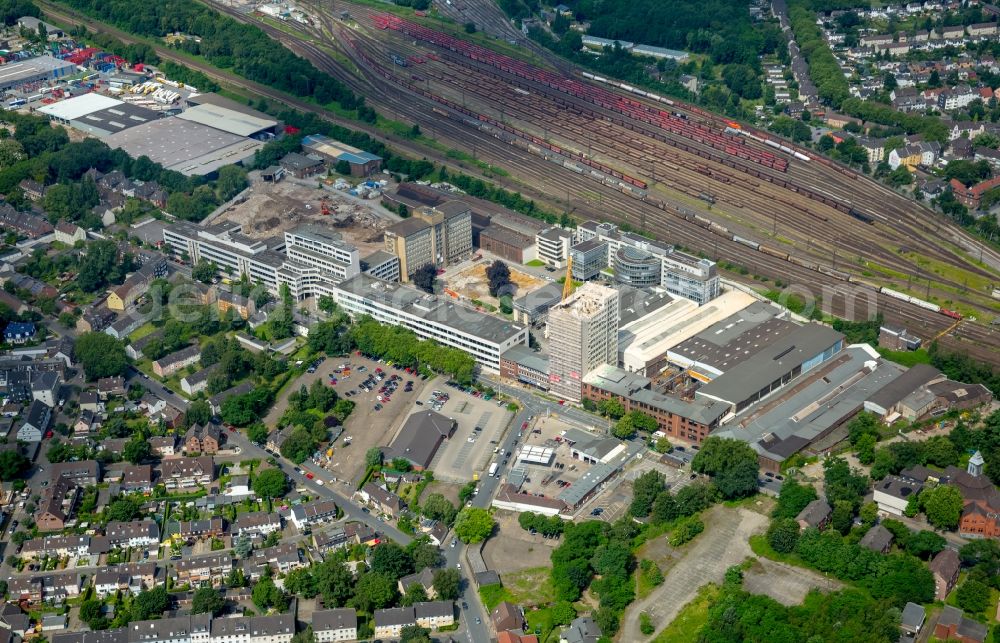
(493, 469)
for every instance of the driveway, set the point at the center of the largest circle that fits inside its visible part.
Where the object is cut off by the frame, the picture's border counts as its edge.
(724, 543)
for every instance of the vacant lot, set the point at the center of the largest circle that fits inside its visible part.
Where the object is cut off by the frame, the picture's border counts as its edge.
(723, 544)
(472, 283)
(785, 583)
(513, 549)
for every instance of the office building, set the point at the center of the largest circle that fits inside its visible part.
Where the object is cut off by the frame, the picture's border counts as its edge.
(583, 334)
(634, 256)
(483, 336)
(309, 259)
(553, 246)
(439, 236)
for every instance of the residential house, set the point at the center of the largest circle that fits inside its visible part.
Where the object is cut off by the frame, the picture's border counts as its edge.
(137, 533)
(314, 512)
(19, 332)
(202, 439)
(335, 625)
(163, 446)
(95, 319)
(111, 387)
(513, 637)
(507, 616)
(952, 625)
(277, 438)
(33, 190)
(135, 348)
(424, 578)
(893, 493)
(389, 623)
(981, 511)
(434, 614)
(583, 629)
(90, 401)
(126, 577)
(815, 514)
(240, 389)
(945, 567)
(203, 569)
(198, 381)
(912, 618)
(35, 422)
(60, 546)
(137, 478)
(49, 588)
(69, 233)
(185, 473)
(256, 523)
(29, 225)
(382, 499)
(45, 388)
(56, 506)
(87, 423)
(281, 558)
(84, 472)
(878, 538)
(170, 364)
(190, 530)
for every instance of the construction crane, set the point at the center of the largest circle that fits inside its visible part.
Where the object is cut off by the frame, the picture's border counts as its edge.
(324, 208)
(568, 283)
(947, 330)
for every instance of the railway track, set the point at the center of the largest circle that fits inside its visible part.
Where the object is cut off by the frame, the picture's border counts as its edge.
(538, 180)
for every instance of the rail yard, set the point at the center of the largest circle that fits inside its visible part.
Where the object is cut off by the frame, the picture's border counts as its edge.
(696, 180)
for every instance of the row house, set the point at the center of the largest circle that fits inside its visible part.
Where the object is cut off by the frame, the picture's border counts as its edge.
(339, 536)
(137, 533)
(259, 523)
(211, 569)
(957, 97)
(281, 558)
(314, 512)
(46, 588)
(108, 387)
(966, 129)
(56, 506)
(335, 625)
(85, 472)
(137, 479)
(126, 577)
(431, 614)
(186, 473)
(56, 546)
(23, 223)
(201, 529)
(381, 499)
(170, 364)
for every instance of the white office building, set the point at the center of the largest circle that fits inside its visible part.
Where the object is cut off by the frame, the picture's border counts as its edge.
(483, 336)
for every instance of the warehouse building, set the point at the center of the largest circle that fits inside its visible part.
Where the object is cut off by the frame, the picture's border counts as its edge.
(773, 367)
(332, 152)
(185, 146)
(819, 401)
(507, 244)
(33, 70)
(483, 336)
(645, 344)
(234, 122)
(97, 115)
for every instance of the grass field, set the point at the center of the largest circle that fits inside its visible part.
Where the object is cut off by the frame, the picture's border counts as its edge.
(684, 628)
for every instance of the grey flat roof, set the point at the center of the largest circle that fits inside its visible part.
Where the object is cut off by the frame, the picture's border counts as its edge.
(637, 388)
(117, 118)
(12, 72)
(227, 120)
(406, 227)
(539, 300)
(588, 245)
(378, 258)
(432, 308)
(597, 474)
(636, 303)
(555, 234)
(737, 338)
(774, 361)
(524, 356)
(190, 148)
(813, 404)
(228, 103)
(904, 385)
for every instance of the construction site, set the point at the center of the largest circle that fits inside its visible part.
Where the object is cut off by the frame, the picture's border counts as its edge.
(472, 284)
(271, 208)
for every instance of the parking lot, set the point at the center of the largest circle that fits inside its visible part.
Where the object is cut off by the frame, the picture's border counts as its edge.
(366, 427)
(612, 503)
(469, 451)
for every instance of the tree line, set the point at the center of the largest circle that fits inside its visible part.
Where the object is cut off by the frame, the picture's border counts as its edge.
(222, 41)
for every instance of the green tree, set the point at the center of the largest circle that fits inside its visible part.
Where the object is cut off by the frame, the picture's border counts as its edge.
(943, 506)
(973, 596)
(266, 595)
(374, 591)
(842, 482)
(473, 525)
(440, 508)
(447, 584)
(793, 499)
(270, 483)
(783, 535)
(204, 271)
(207, 600)
(198, 412)
(257, 433)
(732, 464)
(150, 603)
(415, 634)
(122, 510)
(101, 355)
(645, 490)
(632, 422)
(231, 181)
(373, 457)
(842, 516)
(12, 465)
(136, 450)
(391, 560)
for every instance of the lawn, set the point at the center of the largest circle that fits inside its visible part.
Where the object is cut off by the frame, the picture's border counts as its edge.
(536, 263)
(493, 595)
(684, 628)
(530, 586)
(540, 622)
(908, 359)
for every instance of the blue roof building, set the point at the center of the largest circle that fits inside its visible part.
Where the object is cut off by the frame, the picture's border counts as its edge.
(362, 163)
(19, 332)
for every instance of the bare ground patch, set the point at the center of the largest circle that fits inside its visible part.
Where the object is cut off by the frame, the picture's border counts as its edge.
(513, 549)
